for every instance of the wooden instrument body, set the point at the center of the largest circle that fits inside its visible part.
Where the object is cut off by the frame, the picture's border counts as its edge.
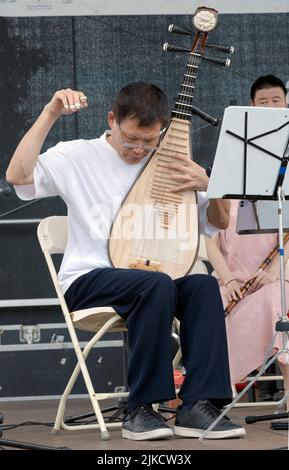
(157, 229)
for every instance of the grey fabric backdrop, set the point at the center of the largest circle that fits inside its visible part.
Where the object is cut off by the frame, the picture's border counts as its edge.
(99, 55)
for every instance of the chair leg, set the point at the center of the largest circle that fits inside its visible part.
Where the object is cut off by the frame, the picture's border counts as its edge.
(80, 366)
(59, 421)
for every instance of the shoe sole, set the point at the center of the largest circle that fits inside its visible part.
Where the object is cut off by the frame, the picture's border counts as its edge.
(148, 435)
(192, 432)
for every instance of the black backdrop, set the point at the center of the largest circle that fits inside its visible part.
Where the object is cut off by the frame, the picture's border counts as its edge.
(99, 55)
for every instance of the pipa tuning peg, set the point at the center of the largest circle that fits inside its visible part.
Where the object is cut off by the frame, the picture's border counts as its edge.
(217, 61)
(179, 30)
(221, 48)
(172, 48)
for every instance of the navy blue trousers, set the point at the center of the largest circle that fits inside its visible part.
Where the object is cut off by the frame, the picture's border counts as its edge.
(149, 301)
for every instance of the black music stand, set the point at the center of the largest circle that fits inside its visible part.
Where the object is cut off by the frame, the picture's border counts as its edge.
(259, 172)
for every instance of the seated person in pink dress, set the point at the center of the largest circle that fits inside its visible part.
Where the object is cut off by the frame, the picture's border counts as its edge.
(236, 258)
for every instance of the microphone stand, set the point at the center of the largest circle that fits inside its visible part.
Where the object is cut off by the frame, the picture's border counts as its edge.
(27, 446)
(23, 445)
(255, 419)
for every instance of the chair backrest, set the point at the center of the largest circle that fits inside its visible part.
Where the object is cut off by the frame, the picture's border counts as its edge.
(52, 234)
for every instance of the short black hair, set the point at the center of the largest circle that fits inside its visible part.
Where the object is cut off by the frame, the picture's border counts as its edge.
(143, 101)
(266, 81)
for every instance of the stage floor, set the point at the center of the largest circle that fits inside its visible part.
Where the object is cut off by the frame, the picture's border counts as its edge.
(259, 435)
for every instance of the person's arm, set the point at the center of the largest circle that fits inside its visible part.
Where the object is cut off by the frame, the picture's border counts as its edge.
(219, 213)
(192, 176)
(271, 273)
(219, 264)
(22, 164)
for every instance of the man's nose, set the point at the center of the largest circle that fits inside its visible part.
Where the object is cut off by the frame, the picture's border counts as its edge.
(139, 149)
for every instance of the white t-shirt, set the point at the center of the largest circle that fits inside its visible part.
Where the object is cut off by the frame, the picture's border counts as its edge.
(93, 180)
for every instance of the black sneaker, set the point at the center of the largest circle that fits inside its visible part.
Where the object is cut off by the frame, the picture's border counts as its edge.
(143, 423)
(194, 421)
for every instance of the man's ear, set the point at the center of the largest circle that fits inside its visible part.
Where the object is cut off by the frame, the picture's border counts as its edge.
(251, 103)
(111, 119)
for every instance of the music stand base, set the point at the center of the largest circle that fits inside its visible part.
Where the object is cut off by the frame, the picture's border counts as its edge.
(248, 386)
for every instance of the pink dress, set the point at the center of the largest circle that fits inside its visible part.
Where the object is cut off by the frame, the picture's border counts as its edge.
(251, 323)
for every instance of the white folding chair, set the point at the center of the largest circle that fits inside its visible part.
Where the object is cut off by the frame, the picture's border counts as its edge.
(53, 234)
